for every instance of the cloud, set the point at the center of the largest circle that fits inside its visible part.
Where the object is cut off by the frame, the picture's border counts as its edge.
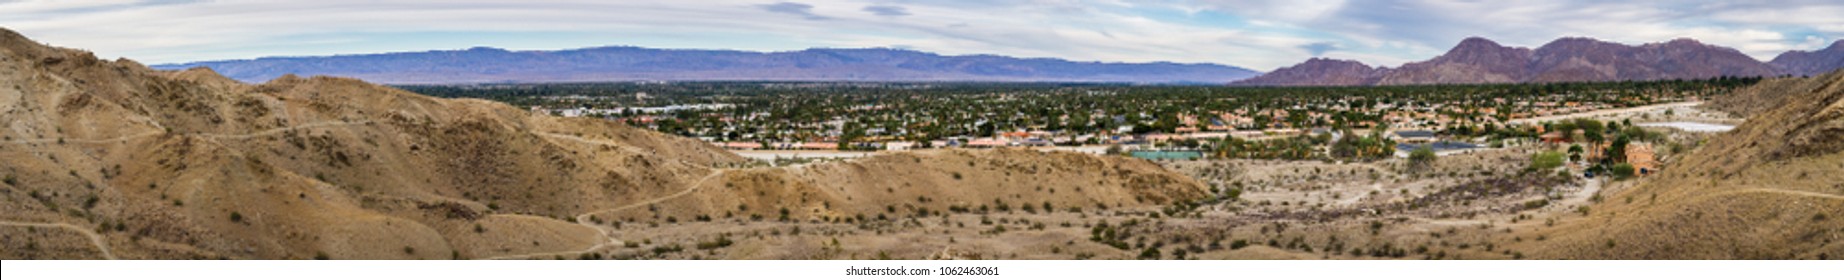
(1760, 29)
(1319, 48)
(1258, 34)
(792, 8)
(889, 11)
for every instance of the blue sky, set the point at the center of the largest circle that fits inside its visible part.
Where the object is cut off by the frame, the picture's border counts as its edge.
(1259, 34)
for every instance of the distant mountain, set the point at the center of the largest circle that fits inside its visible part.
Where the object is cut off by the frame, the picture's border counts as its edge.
(1811, 63)
(1320, 72)
(1482, 61)
(482, 64)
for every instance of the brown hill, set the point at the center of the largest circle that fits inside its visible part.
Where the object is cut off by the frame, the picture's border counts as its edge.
(1481, 61)
(1770, 189)
(109, 159)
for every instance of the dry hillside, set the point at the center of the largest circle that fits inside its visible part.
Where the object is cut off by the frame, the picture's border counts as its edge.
(109, 159)
(1771, 189)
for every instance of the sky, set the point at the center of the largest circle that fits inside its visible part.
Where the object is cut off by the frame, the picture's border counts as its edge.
(1257, 34)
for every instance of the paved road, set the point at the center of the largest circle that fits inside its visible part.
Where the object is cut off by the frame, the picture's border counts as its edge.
(1596, 113)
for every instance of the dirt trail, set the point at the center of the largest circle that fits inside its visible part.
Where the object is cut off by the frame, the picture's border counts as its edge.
(95, 239)
(583, 220)
(211, 135)
(1792, 192)
(695, 186)
(86, 141)
(1587, 192)
(1374, 187)
(278, 130)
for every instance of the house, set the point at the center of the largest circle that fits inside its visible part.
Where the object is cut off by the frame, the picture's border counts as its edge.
(986, 143)
(1553, 137)
(1643, 159)
(899, 146)
(742, 145)
(819, 146)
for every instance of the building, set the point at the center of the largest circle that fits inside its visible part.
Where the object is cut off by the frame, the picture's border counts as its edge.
(1643, 159)
(742, 145)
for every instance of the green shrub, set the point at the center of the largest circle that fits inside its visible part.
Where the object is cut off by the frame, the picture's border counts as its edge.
(1238, 244)
(1546, 161)
(1622, 170)
(1150, 253)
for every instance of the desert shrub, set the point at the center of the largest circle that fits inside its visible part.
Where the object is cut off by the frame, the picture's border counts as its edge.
(1534, 204)
(1546, 161)
(662, 250)
(722, 241)
(1422, 157)
(236, 217)
(1150, 253)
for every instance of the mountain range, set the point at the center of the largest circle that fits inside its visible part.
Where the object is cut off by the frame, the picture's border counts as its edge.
(110, 159)
(1482, 61)
(489, 65)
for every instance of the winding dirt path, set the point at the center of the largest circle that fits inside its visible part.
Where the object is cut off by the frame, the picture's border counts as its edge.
(95, 239)
(1792, 192)
(266, 132)
(607, 240)
(86, 141)
(278, 130)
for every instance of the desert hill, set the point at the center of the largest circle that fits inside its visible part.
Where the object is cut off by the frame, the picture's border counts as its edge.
(112, 159)
(1770, 189)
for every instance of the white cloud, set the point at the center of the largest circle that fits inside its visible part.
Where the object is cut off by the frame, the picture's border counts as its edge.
(1272, 33)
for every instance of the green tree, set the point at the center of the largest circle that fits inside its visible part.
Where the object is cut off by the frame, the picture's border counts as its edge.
(1622, 170)
(1422, 157)
(1545, 161)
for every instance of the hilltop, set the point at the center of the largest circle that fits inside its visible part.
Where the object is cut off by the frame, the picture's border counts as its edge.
(112, 159)
(1808, 63)
(492, 65)
(1767, 190)
(1481, 61)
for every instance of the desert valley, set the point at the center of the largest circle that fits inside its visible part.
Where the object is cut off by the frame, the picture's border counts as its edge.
(1594, 157)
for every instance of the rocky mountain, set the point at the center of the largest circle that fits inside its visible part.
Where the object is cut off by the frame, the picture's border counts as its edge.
(1482, 61)
(1474, 61)
(112, 159)
(1810, 63)
(1320, 72)
(482, 65)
